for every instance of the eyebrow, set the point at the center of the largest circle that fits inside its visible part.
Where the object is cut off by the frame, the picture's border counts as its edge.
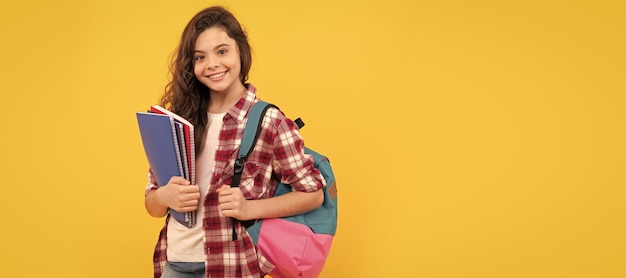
(218, 46)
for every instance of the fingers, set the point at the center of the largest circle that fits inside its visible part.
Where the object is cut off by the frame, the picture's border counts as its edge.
(179, 181)
(231, 201)
(189, 189)
(222, 188)
(187, 206)
(180, 195)
(228, 194)
(186, 203)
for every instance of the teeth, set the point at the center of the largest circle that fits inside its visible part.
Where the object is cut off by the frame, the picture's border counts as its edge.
(217, 75)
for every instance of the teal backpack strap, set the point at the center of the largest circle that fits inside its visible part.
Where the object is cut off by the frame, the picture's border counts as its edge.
(253, 127)
(250, 135)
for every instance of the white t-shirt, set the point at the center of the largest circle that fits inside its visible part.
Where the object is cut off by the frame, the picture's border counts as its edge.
(187, 244)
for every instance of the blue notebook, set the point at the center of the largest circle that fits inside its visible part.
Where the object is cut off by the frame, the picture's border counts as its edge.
(164, 148)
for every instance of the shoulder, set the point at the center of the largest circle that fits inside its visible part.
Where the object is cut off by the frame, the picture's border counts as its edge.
(275, 114)
(277, 119)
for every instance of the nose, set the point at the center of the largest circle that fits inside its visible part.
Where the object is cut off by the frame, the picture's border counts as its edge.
(212, 62)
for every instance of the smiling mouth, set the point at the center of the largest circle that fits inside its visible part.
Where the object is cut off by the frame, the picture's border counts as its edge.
(217, 75)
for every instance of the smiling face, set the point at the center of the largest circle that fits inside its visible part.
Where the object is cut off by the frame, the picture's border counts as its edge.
(216, 61)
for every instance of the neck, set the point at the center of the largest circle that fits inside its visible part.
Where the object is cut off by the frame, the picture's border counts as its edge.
(222, 101)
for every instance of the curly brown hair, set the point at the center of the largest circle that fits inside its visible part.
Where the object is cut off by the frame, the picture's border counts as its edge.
(184, 94)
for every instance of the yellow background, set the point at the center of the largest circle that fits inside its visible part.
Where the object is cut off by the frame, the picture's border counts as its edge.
(469, 138)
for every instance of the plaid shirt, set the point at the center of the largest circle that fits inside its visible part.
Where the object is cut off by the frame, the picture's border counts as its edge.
(277, 156)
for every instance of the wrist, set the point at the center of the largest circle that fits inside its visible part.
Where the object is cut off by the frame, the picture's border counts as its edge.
(158, 197)
(253, 210)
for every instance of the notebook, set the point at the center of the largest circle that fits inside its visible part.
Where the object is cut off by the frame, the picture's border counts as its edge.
(188, 130)
(165, 146)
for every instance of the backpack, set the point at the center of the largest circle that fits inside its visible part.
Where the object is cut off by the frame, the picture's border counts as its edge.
(297, 245)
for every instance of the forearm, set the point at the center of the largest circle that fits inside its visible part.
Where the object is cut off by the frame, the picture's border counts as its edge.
(292, 203)
(153, 206)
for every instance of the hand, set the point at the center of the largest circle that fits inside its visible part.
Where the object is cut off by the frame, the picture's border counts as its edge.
(232, 203)
(179, 195)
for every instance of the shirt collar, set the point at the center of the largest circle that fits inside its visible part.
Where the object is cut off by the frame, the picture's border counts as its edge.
(241, 108)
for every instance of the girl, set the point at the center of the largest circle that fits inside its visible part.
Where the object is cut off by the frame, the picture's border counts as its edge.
(208, 88)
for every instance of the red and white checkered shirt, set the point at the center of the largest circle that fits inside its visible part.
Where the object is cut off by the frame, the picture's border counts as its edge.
(277, 156)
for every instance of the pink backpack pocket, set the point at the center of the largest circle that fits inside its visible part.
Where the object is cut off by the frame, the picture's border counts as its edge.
(294, 248)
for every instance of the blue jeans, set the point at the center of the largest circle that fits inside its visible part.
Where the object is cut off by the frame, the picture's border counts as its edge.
(183, 270)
